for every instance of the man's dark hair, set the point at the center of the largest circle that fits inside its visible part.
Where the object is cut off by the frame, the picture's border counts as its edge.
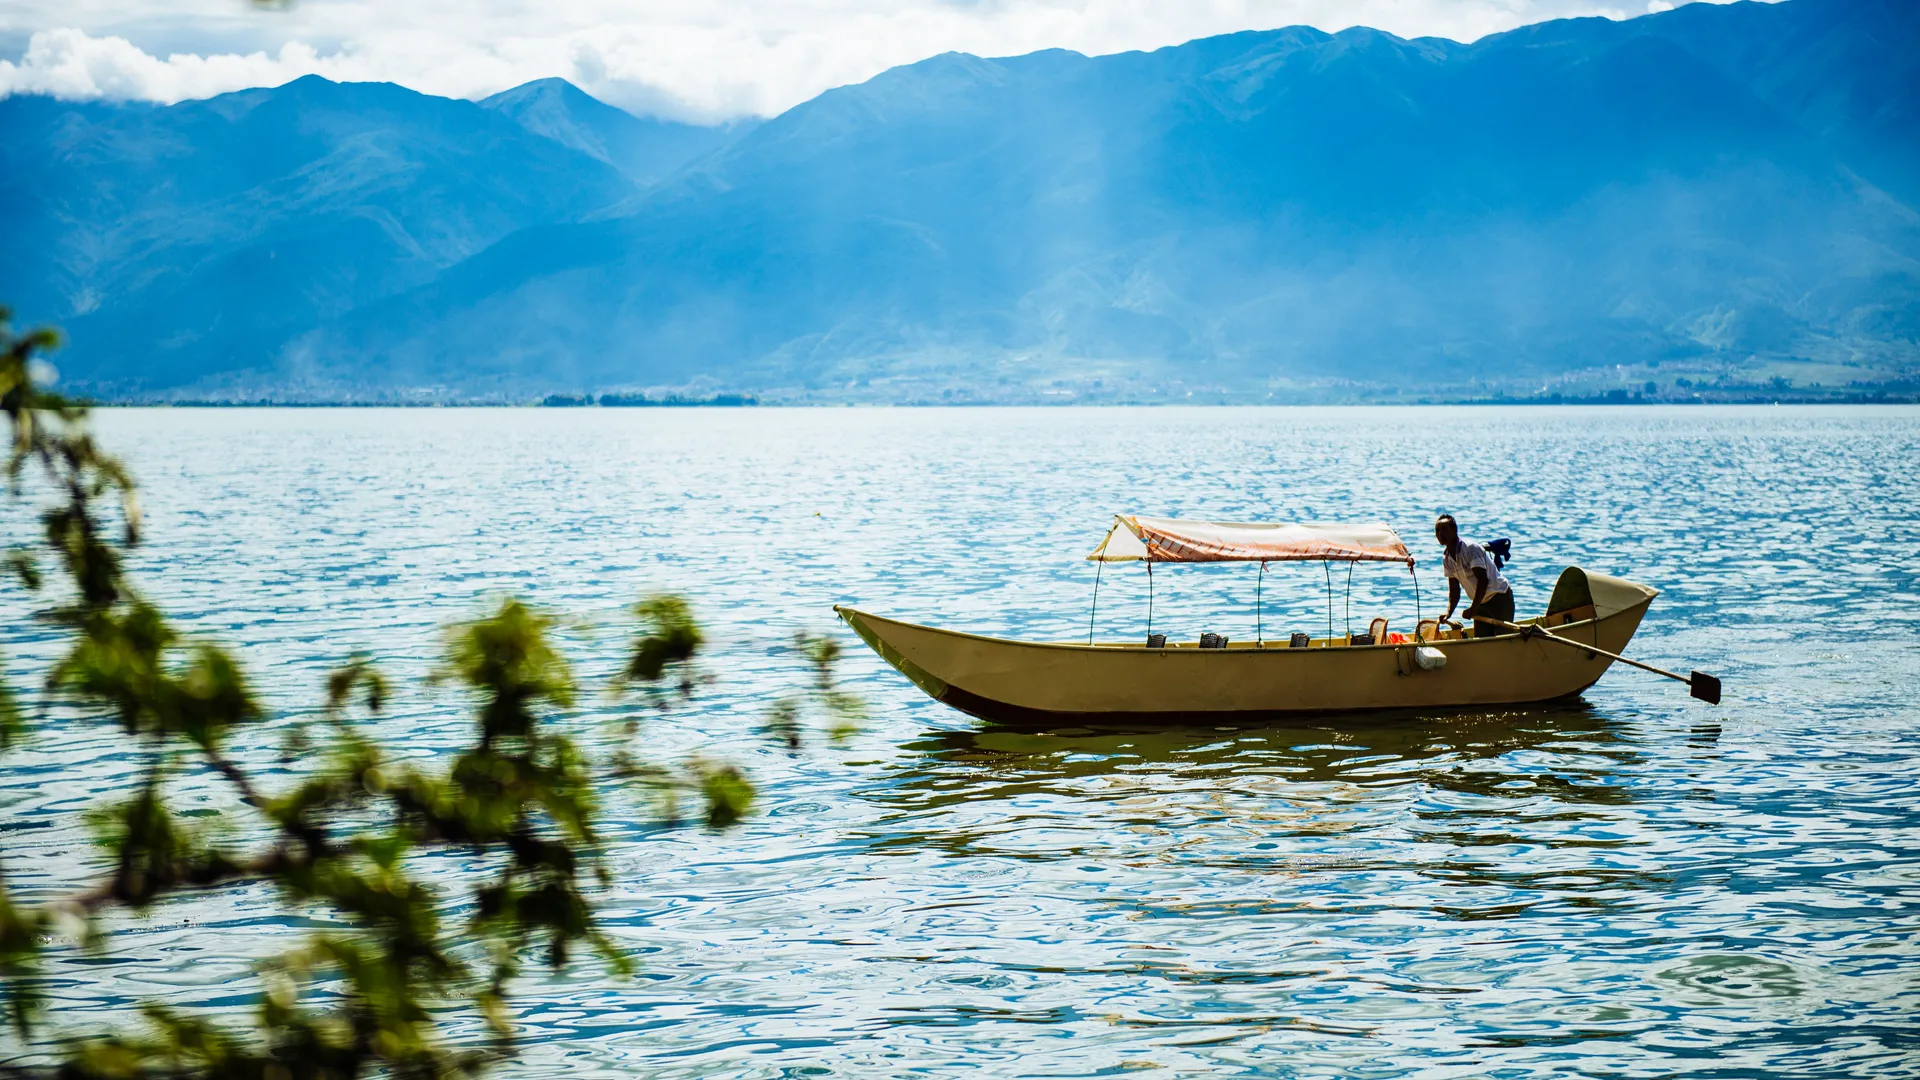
(1448, 518)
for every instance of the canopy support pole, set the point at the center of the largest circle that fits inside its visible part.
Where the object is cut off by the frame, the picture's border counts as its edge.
(1259, 624)
(1149, 598)
(1350, 567)
(1327, 565)
(1097, 568)
(1416, 599)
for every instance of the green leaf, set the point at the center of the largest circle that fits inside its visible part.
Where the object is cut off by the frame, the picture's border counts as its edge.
(19, 964)
(672, 638)
(212, 697)
(154, 852)
(357, 674)
(24, 570)
(508, 659)
(729, 794)
(13, 725)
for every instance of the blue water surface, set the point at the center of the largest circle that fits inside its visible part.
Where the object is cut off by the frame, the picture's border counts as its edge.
(1633, 884)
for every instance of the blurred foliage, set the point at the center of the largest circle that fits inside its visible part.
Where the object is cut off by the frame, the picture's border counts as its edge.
(844, 712)
(672, 637)
(355, 836)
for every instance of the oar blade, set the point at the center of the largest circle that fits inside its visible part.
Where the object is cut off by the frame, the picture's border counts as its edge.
(1705, 687)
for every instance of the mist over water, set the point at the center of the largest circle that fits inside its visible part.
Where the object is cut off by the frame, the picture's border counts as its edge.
(1631, 884)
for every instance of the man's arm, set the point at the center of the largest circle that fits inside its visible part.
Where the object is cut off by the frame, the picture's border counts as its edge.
(1479, 589)
(1453, 598)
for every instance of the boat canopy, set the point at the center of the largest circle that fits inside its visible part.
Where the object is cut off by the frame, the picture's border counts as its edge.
(1163, 540)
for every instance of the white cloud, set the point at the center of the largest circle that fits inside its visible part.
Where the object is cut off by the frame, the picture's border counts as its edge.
(68, 63)
(699, 59)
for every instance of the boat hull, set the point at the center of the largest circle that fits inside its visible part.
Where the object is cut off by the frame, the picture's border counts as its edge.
(1057, 682)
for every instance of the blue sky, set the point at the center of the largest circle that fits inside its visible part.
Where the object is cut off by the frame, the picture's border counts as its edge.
(688, 59)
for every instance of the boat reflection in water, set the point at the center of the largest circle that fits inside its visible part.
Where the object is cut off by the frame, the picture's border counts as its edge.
(1458, 779)
(1468, 753)
(1396, 793)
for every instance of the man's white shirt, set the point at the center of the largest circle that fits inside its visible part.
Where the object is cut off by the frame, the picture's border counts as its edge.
(1459, 566)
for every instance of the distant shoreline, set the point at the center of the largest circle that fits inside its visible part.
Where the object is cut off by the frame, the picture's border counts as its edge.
(1789, 400)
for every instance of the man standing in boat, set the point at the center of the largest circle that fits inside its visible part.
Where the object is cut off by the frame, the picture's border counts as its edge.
(1469, 566)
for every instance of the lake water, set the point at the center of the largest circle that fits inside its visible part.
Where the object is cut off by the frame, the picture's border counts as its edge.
(1631, 885)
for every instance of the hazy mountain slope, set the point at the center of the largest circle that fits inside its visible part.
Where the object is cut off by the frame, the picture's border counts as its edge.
(177, 241)
(1265, 206)
(646, 150)
(1711, 189)
(1845, 71)
(39, 200)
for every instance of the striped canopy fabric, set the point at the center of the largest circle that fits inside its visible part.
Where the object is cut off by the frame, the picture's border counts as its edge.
(1164, 540)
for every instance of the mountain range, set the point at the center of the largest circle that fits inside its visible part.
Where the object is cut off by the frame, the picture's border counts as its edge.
(1711, 197)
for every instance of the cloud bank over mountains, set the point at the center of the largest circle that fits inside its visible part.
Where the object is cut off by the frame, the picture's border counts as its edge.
(679, 59)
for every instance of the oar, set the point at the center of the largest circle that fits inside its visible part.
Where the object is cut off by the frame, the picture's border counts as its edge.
(1700, 684)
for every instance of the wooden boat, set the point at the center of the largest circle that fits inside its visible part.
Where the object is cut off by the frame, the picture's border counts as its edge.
(1437, 667)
